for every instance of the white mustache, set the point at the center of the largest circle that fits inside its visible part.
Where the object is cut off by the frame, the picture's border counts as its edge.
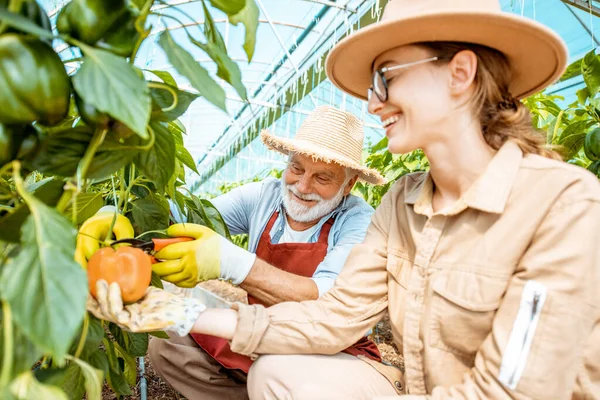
(309, 197)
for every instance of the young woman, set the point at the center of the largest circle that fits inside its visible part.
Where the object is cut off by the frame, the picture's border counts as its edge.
(488, 264)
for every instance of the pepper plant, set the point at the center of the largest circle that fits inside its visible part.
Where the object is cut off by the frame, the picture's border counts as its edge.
(106, 133)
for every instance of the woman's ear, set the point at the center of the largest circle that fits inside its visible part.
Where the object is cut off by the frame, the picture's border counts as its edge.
(463, 68)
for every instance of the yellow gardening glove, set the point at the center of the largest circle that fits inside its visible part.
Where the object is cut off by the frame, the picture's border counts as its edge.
(209, 256)
(94, 230)
(158, 310)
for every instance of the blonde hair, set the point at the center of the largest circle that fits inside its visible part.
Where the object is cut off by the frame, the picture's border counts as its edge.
(501, 115)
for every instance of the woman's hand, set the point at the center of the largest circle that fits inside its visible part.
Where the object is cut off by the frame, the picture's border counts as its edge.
(157, 310)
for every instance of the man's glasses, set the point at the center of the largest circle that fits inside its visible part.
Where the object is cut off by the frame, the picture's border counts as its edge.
(380, 84)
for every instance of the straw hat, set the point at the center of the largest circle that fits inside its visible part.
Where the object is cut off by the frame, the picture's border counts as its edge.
(328, 135)
(536, 54)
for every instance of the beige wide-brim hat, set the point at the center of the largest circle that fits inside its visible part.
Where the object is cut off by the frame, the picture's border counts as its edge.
(536, 54)
(329, 135)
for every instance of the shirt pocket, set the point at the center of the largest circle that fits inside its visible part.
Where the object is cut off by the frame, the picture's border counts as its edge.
(399, 268)
(463, 306)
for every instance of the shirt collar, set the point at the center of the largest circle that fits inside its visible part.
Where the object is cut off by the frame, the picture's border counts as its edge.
(489, 193)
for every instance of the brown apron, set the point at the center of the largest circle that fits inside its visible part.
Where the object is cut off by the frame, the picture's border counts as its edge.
(298, 258)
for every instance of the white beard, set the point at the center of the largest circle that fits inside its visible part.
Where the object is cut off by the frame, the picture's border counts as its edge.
(301, 213)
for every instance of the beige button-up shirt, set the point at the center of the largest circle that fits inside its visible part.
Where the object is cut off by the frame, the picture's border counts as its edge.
(496, 297)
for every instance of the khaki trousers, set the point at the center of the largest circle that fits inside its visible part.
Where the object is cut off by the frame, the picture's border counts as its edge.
(196, 375)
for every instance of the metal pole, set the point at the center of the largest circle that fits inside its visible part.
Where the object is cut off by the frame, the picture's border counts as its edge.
(584, 5)
(287, 53)
(335, 5)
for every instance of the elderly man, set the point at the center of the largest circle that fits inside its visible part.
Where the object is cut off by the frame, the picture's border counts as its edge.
(301, 229)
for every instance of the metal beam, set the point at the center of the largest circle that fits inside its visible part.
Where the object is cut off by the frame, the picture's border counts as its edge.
(334, 4)
(584, 5)
(583, 24)
(287, 53)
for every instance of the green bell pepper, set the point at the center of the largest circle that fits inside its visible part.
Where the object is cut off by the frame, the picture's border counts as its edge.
(90, 114)
(16, 141)
(31, 10)
(89, 20)
(34, 85)
(591, 146)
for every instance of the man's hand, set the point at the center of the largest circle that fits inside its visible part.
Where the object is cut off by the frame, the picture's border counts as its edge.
(209, 256)
(95, 229)
(158, 310)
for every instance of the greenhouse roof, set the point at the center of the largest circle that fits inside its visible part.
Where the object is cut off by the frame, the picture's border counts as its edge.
(285, 78)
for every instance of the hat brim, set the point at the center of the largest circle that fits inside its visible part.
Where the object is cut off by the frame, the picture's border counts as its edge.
(537, 55)
(309, 149)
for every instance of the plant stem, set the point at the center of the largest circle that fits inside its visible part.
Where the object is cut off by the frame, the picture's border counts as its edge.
(139, 26)
(84, 47)
(64, 200)
(84, 333)
(168, 88)
(122, 189)
(84, 163)
(132, 181)
(7, 360)
(14, 6)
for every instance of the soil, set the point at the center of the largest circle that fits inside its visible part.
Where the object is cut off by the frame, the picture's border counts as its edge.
(157, 389)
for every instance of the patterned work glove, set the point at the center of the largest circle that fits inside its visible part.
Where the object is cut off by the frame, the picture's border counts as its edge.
(158, 310)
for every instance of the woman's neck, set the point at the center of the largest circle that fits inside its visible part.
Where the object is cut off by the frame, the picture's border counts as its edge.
(457, 163)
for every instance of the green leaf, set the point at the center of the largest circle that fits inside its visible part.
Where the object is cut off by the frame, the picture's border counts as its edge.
(74, 382)
(163, 99)
(94, 337)
(51, 376)
(93, 379)
(23, 24)
(159, 334)
(45, 287)
(249, 17)
(115, 378)
(129, 364)
(590, 67)
(25, 354)
(112, 85)
(156, 281)
(229, 7)
(186, 158)
(573, 70)
(583, 95)
(573, 136)
(135, 344)
(26, 387)
(382, 144)
(150, 213)
(158, 163)
(165, 77)
(87, 206)
(227, 69)
(211, 33)
(185, 64)
(176, 133)
(216, 219)
(99, 360)
(209, 215)
(177, 126)
(49, 193)
(60, 153)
